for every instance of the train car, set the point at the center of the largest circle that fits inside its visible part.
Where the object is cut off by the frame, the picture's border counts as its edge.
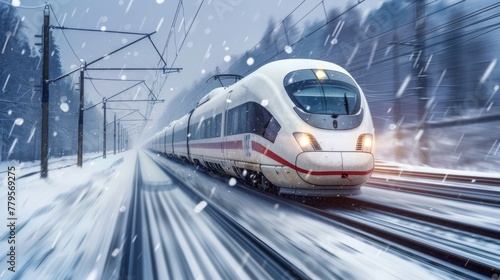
(299, 126)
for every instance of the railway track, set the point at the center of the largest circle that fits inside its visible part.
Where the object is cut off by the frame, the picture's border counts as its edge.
(449, 191)
(421, 232)
(432, 237)
(162, 239)
(393, 169)
(439, 242)
(459, 243)
(459, 248)
(478, 188)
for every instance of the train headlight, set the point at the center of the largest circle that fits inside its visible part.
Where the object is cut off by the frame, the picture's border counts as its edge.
(307, 142)
(365, 143)
(321, 74)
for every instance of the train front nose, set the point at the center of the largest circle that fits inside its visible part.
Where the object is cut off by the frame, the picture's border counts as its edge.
(325, 168)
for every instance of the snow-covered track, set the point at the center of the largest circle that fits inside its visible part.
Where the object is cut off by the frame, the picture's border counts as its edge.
(393, 224)
(391, 232)
(360, 203)
(390, 226)
(474, 187)
(456, 176)
(441, 216)
(172, 233)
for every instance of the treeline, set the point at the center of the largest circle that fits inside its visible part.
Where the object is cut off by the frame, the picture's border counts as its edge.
(381, 50)
(20, 98)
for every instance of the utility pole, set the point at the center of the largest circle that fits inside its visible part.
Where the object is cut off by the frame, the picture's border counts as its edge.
(44, 156)
(114, 135)
(118, 136)
(104, 129)
(126, 140)
(80, 116)
(420, 68)
(123, 138)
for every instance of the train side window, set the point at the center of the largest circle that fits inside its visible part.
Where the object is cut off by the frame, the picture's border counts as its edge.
(168, 138)
(272, 129)
(242, 119)
(209, 128)
(218, 125)
(180, 135)
(232, 121)
(193, 131)
(253, 118)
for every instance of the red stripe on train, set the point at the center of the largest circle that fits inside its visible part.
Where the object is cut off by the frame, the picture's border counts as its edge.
(257, 147)
(270, 154)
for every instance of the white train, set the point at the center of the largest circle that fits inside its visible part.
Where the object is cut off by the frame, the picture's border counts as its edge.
(298, 126)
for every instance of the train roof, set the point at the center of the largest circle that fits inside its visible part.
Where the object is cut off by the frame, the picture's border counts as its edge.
(285, 66)
(276, 69)
(210, 95)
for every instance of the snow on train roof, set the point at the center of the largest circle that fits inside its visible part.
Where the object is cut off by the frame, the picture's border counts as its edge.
(209, 95)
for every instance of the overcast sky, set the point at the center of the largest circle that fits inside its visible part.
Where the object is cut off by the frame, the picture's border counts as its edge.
(220, 30)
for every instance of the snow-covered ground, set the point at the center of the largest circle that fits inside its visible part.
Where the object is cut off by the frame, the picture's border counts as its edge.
(65, 222)
(24, 168)
(66, 225)
(472, 147)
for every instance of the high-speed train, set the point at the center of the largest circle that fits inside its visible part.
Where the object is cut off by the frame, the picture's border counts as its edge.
(297, 126)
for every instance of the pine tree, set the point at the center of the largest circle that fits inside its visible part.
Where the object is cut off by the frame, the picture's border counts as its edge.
(16, 85)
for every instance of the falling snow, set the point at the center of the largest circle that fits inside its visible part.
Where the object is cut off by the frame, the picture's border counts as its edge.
(200, 206)
(488, 71)
(449, 100)
(64, 107)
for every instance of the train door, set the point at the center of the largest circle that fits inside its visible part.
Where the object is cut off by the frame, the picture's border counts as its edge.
(164, 138)
(226, 139)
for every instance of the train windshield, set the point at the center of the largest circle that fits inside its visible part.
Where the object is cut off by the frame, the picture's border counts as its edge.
(318, 91)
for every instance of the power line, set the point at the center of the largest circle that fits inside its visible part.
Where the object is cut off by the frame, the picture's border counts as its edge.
(150, 106)
(255, 46)
(64, 34)
(274, 28)
(98, 30)
(475, 32)
(23, 7)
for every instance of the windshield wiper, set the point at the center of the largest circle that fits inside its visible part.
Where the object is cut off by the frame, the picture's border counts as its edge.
(346, 104)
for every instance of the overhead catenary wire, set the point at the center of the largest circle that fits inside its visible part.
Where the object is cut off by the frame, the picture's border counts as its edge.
(331, 20)
(274, 28)
(64, 35)
(156, 83)
(159, 83)
(475, 32)
(114, 95)
(23, 6)
(376, 61)
(177, 52)
(328, 21)
(182, 43)
(60, 27)
(144, 35)
(380, 35)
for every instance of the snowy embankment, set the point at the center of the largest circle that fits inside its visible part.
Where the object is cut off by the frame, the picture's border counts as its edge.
(470, 147)
(65, 222)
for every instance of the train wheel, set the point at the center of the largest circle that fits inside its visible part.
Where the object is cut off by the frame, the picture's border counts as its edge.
(267, 186)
